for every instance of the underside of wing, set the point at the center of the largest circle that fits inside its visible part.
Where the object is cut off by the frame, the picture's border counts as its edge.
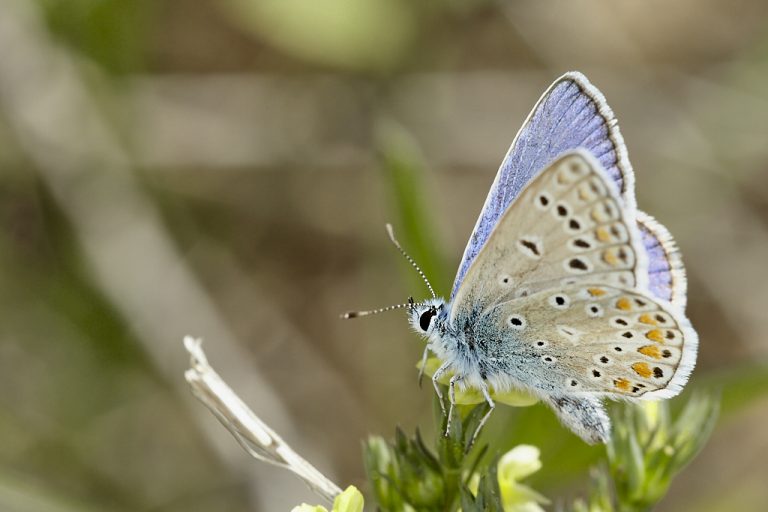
(666, 273)
(568, 225)
(593, 339)
(571, 114)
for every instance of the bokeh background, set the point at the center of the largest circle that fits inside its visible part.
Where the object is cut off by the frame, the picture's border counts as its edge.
(225, 169)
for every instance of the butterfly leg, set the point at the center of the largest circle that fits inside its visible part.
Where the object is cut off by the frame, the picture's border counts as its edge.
(452, 399)
(423, 364)
(439, 373)
(492, 404)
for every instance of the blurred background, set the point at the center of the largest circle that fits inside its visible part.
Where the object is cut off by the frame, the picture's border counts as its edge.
(225, 169)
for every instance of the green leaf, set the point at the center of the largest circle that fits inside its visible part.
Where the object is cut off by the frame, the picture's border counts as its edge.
(488, 494)
(649, 448)
(382, 472)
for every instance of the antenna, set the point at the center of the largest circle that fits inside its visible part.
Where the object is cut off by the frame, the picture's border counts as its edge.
(392, 238)
(355, 314)
(410, 303)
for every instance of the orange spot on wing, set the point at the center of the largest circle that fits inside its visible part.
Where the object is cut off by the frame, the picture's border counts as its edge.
(622, 384)
(642, 369)
(655, 335)
(650, 351)
(610, 258)
(603, 235)
(624, 304)
(596, 292)
(648, 319)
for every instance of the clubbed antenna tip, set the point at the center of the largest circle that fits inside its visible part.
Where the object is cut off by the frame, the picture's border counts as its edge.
(355, 314)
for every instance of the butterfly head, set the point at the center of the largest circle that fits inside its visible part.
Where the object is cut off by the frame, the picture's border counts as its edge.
(426, 317)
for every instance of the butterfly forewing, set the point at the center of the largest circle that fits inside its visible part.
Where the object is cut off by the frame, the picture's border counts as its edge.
(569, 225)
(571, 114)
(593, 338)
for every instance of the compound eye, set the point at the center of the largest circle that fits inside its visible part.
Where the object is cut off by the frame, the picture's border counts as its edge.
(426, 318)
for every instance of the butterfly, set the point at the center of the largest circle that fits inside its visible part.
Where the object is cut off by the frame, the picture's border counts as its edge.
(565, 289)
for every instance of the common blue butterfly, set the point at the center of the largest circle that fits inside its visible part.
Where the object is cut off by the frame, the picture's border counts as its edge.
(565, 289)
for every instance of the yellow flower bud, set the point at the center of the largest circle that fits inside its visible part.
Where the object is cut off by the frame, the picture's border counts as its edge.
(469, 396)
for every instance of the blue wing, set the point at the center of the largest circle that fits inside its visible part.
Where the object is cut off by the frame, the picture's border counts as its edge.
(571, 114)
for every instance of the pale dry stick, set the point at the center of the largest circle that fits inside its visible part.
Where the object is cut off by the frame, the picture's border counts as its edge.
(248, 429)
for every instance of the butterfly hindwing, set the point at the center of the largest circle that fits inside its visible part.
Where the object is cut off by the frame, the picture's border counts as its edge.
(568, 225)
(585, 416)
(666, 274)
(571, 114)
(594, 340)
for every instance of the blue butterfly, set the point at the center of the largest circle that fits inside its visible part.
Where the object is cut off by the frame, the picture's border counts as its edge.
(565, 290)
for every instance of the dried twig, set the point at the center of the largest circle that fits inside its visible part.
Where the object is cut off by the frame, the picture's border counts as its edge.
(253, 434)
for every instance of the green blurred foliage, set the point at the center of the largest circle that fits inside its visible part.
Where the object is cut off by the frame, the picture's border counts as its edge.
(370, 35)
(113, 33)
(409, 186)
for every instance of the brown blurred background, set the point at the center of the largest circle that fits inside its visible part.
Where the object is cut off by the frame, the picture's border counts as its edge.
(225, 169)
